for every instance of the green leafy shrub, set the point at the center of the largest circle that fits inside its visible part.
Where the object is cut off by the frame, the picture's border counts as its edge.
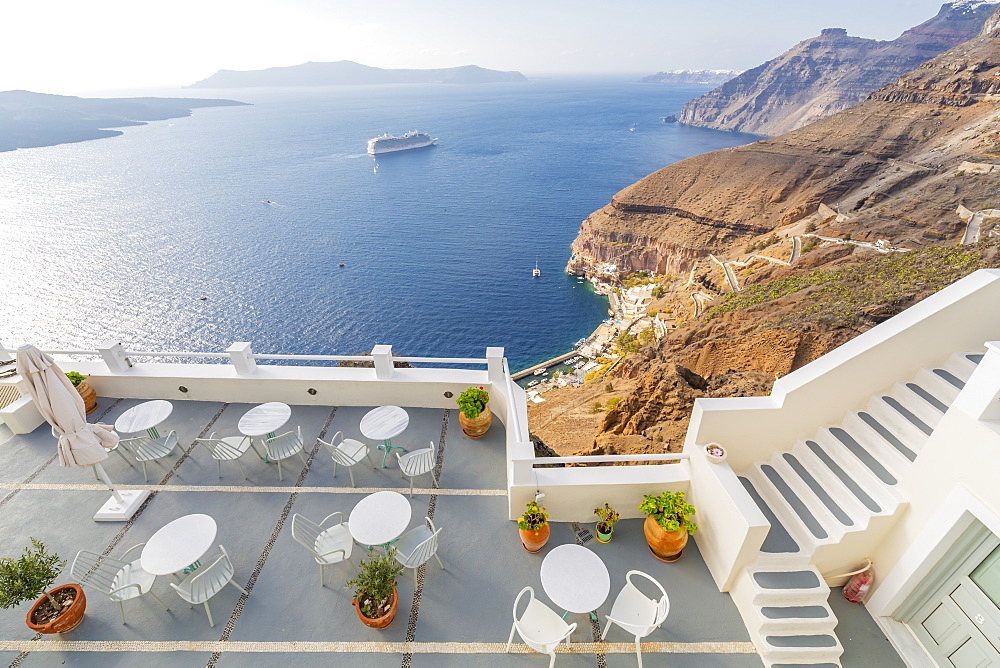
(670, 511)
(75, 377)
(534, 517)
(473, 401)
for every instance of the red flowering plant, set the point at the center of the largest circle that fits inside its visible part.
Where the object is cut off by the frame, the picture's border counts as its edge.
(473, 401)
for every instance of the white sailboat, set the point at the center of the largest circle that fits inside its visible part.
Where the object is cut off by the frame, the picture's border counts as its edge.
(536, 272)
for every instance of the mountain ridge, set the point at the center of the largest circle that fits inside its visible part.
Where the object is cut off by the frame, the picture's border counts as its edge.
(825, 74)
(348, 72)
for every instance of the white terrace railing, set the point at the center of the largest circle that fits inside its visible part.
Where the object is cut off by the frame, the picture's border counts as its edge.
(572, 491)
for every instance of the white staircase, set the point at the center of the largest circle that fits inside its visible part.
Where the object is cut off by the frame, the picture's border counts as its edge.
(830, 499)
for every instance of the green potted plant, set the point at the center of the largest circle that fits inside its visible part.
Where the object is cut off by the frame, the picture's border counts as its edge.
(474, 412)
(29, 576)
(668, 524)
(86, 390)
(533, 526)
(375, 597)
(608, 517)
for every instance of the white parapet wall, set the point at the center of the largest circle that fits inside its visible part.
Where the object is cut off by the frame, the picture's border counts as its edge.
(731, 528)
(960, 317)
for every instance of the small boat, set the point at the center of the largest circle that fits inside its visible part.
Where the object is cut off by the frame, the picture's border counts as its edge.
(533, 383)
(267, 201)
(536, 272)
(341, 264)
(539, 371)
(632, 129)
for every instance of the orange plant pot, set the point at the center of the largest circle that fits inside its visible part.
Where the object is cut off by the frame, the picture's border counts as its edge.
(665, 545)
(478, 426)
(534, 539)
(89, 395)
(70, 617)
(378, 622)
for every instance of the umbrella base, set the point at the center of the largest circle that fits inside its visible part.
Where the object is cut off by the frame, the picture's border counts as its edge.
(112, 511)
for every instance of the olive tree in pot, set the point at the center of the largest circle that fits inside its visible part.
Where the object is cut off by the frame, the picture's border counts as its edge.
(474, 412)
(668, 524)
(29, 576)
(375, 597)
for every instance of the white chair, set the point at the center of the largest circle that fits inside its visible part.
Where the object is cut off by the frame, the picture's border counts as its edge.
(346, 452)
(118, 579)
(284, 446)
(539, 627)
(417, 546)
(328, 544)
(418, 462)
(146, 449)
(228, 449)
(115, 449)
(637, 613)
(208, 581)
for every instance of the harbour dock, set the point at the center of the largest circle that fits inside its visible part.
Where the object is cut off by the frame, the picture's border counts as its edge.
(555, 360)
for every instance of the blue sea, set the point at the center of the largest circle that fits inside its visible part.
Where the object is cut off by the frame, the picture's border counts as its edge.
(119, 238)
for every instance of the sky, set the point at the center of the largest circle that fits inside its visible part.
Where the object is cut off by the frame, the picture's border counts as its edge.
(73, 47)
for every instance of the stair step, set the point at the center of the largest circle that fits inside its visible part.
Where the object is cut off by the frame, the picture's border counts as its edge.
(888, 435)
(796, 619)
(778, 539)
(818, 490)
(794, 502)
(896, 422)
(786, 579)
(938, 385)
(917, 404)
(842, 475)
(927, 396)
(962, 366)
(898, 406)
(951, 378)
(821, 640)
(795, 612)
(863, 455)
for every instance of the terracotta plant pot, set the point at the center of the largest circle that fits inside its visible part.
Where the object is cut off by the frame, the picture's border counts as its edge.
(534, 539)
(68, 620)
(665, 545)
(603, 537)
(378, 622)
(477, 426)
(89, 395)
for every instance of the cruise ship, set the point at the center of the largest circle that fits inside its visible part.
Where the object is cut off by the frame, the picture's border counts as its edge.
(388, 143)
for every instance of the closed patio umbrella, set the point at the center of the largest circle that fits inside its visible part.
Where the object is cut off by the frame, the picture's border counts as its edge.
(80, 442)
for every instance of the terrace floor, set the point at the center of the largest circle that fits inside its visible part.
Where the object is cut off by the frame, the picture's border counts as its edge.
(460, 616)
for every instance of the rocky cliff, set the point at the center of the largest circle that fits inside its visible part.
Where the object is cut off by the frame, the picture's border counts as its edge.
(885, 162)
(828, 73)
(901, 167)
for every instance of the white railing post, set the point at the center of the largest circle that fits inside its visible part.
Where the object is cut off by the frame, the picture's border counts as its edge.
(113, 354)
(383, 361)
(5, 356)
(241, 357)
(494, 366)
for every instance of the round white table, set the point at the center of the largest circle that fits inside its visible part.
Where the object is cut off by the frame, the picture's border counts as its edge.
(179, 545)
(144, 417)
(575, 578)
(383, 424)
(379, 518)
(263, 421)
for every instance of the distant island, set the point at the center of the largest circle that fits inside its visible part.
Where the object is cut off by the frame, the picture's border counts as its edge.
(346, 73)
(31, 120)
(713, 77)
